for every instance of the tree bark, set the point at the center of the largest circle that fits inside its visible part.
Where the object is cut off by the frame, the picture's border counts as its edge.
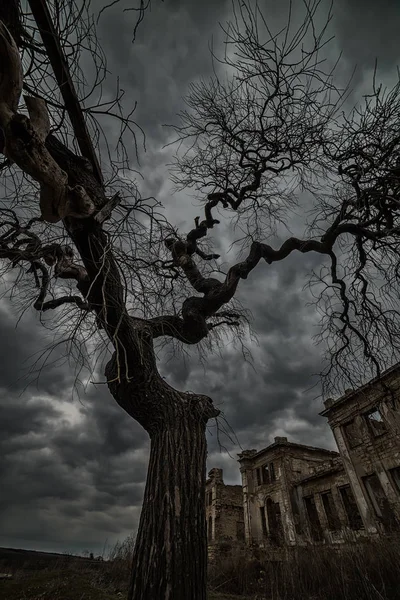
(170, 556)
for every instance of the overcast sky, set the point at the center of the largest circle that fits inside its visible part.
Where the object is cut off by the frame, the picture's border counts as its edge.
(73, 469)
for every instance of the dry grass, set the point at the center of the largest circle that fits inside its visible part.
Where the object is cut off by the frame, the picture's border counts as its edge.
(363, 571)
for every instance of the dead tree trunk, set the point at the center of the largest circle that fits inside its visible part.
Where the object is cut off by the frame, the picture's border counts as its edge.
(170, 556)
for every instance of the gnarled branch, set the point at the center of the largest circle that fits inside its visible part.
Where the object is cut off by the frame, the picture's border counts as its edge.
(24, 141)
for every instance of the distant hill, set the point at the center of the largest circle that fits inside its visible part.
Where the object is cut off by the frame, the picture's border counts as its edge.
(15, 558)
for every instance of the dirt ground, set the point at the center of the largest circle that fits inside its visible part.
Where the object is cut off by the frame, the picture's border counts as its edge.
(57, 585)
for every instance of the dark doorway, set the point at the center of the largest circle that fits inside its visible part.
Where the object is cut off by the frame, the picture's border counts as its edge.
(274, 522)
(313, 518)
(330, 511)
(380, 502)
(240, 530)
(351, 508)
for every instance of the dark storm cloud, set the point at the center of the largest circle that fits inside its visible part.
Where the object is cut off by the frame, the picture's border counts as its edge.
(22, 344)
(170, 50)
(19, 419)
(368, 30)
(69, 474)
(72, 473)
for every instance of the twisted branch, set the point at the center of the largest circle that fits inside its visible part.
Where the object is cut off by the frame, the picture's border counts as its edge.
(24, 141)
(18, 244)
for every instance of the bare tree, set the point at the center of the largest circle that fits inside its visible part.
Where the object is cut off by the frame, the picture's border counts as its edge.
(271, 129)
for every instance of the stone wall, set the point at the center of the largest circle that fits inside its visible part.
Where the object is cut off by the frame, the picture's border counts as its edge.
(224, 509)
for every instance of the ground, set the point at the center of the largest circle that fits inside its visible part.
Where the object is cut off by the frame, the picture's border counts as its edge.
(68, 585)
(52, 585)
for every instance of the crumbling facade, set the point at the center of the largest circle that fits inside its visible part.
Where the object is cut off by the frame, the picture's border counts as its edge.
(277, 500)
(293, 494)
(224, 509)
(366, 426)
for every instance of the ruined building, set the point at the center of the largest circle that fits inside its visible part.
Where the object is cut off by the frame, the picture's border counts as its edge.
(224, 509)
(293, 494)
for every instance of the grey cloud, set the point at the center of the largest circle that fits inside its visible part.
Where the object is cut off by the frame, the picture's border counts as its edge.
(367, 31)
(170, 50)
(59, 475)
(22, 418)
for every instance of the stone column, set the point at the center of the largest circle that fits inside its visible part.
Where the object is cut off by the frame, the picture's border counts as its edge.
(355, 484)
(249, 508)
(286, 504)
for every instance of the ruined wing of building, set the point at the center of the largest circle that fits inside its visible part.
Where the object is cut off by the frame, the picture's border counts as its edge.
(293, 494)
